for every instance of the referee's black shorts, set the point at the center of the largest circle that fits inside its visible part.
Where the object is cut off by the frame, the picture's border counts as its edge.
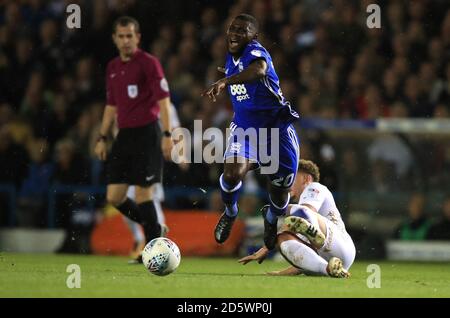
(136, 156)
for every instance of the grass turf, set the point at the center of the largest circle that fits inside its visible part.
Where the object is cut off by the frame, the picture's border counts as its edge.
(38, 275)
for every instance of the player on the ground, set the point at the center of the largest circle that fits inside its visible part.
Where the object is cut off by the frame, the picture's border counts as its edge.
(254, 89)
(137, 92)
(321, 244)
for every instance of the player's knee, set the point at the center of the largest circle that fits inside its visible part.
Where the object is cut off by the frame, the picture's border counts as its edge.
(115, 200)
(143, 195)
(232, 177)
(281, 237)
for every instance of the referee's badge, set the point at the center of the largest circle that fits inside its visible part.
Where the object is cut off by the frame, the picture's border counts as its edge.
(132, 91)
(164, 85)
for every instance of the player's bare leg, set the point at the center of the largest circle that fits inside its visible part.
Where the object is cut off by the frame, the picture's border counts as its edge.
(235, 169)
(116, 195)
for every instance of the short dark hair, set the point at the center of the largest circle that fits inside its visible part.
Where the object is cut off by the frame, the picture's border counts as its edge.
(309, 167)
(249, 18)
(124, 21)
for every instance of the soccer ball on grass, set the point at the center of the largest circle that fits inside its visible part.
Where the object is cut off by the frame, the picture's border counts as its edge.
(161, 256)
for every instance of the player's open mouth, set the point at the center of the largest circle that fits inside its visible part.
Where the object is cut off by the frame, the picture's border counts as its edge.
(233, 43)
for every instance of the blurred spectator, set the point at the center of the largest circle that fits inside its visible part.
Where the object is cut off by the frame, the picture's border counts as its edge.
(390, 87)
(21, 67)
(415, 99)
(51, 50)
(34, 191)
(390, 157)
(70, 169)
(441, 111)
(209, 26)
(35, 105)
(84, 81)
(417, 226)
(59, 121)
(443, 90)
(352, 174)
(441, 229)
(14, 159)
(398, 110)
(13, 162)
(80, 135)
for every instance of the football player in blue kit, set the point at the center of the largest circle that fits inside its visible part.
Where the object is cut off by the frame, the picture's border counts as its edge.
(258, 104)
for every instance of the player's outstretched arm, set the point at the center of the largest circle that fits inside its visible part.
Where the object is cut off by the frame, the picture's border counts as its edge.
(255, 71)
(258, 256)
(215, 89)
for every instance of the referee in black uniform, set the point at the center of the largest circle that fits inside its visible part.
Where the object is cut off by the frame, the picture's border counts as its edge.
(137, 95)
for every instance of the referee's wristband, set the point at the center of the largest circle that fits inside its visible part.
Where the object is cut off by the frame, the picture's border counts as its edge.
(102, 138)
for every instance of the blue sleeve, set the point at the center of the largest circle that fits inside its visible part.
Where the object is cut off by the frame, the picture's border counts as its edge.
(227, 64)
(256, 53)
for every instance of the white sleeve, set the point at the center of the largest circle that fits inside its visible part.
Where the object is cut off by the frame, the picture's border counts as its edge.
(174, 120)
(313, 196)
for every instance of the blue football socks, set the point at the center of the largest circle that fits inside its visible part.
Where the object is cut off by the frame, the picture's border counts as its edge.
(230, 196)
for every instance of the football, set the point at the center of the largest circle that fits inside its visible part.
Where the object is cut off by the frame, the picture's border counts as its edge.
(161, 256)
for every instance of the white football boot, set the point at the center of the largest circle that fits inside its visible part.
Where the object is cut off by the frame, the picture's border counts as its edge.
(335, 268)
(302, 226)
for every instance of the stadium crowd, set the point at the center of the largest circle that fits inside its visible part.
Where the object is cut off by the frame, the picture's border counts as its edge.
(331, 65)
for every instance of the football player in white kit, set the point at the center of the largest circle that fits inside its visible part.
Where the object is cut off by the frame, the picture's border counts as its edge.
(313, 238)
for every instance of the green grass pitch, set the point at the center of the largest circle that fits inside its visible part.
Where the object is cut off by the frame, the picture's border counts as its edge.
(38, 275)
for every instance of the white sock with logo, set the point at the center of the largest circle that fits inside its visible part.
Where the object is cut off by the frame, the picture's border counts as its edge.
(303, 257)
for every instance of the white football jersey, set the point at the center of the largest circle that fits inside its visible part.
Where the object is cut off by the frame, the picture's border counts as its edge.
(318, 196)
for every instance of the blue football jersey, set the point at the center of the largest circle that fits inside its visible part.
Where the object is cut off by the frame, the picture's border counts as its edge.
(260, 103)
